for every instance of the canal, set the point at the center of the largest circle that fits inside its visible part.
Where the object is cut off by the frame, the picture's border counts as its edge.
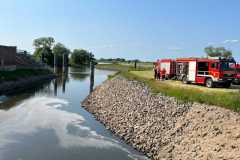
(48, 122)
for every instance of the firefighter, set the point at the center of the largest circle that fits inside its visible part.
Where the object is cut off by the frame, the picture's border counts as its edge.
(158, 73)
(163, 74)
(155, 71)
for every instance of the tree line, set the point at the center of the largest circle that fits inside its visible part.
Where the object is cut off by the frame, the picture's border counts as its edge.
(117, 60)
(46, 49)
(218, 52)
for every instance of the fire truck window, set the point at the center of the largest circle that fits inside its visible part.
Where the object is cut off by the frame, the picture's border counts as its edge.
(202, 66)
(214, 65)
(226, 66)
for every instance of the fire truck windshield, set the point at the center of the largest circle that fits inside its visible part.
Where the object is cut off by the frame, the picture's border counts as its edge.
(226, 66)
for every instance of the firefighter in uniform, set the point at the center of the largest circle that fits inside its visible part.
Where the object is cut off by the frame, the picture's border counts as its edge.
(155, 71)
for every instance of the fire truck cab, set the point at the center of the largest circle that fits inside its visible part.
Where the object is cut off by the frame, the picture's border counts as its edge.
(209, 72)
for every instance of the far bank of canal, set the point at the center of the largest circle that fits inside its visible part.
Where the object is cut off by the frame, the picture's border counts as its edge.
(47, 123)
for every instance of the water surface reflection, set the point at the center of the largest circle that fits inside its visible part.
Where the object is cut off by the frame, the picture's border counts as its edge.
(48, 123)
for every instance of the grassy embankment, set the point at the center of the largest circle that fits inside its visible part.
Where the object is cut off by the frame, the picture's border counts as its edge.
(21, 73)
(126, 66)
(227, 98)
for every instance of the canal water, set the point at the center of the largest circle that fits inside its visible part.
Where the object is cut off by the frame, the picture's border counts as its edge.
(48, 123)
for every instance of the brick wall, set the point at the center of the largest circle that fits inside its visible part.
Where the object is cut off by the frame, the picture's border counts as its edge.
(8, 55)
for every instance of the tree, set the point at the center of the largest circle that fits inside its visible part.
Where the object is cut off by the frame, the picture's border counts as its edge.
(81, 57)
(43, 47)
(218, 52)
(44, 42)
(227, 54)
(46, 53)
(59, 50)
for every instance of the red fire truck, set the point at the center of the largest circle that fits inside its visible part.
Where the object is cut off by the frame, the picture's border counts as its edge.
(207, 71)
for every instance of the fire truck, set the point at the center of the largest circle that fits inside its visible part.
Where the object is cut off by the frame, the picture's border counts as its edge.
(207, 71)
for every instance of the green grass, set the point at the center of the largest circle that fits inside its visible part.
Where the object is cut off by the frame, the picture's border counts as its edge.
(21, 73)
(111, 76)
(227, 98)
(125, 66)
(146, 65)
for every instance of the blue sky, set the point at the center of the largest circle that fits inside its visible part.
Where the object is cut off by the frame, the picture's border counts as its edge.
(142, 29)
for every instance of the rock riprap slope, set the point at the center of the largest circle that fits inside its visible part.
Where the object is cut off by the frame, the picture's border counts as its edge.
(163, 128)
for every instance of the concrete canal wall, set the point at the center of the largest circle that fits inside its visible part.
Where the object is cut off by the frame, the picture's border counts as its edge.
(163, 128)
(9, 87)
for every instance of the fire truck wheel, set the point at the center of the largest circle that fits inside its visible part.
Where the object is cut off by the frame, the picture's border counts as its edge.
(209, 83)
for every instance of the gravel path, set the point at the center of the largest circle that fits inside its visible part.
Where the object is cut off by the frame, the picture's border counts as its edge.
(163, 128)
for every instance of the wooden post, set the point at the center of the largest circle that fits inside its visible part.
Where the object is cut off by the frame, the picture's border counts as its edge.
(64, 63)
(55, 63)
(92, 67)
(135, 64)
(64, 79)
(55, 87)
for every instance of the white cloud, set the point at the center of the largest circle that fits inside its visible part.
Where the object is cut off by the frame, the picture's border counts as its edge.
(230, 41)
